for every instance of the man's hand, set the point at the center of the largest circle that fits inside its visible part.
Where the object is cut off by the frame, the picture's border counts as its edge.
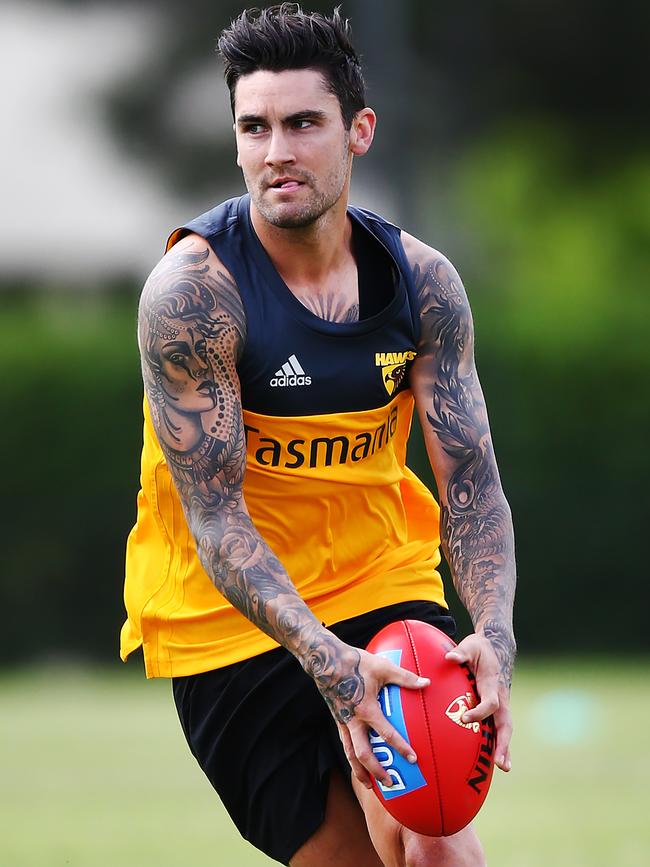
(494, 694)
(375, 672)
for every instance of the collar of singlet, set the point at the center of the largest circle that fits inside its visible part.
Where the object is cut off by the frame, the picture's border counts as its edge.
(285, 296)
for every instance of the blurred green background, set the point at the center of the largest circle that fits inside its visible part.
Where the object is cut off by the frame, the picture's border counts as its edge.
(511, 136)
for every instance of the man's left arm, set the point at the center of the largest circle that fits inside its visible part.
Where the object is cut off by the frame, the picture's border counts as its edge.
(476, 525)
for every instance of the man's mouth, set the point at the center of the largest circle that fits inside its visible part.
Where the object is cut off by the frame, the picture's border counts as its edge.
(285, 184)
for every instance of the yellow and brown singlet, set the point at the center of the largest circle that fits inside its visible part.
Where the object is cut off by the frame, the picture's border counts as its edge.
(327, 413)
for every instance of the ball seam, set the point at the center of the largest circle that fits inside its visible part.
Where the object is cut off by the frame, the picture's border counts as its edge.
(426, 721)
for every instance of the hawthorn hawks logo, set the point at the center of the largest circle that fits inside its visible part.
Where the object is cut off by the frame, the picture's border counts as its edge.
(458, 707)
(393, 367)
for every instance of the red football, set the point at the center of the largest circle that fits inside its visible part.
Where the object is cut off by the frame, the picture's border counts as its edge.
(446, 788)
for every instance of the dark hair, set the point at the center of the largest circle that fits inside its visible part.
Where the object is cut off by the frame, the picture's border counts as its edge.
(284, 37)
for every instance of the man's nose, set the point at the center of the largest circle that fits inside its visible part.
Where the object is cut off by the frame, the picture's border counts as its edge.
(279, 151)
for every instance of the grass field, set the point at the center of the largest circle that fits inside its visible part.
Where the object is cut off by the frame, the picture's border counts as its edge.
(94, 772)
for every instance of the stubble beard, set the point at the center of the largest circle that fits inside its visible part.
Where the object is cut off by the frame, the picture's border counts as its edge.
(306, 215)
(312, 209)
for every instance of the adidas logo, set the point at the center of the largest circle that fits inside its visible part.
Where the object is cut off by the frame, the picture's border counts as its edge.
(291, 373)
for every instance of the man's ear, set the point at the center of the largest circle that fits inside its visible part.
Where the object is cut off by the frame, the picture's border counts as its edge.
(362, 131)
(234, 129)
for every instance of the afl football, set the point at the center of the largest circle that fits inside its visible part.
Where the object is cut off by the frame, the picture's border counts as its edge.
(444, 790)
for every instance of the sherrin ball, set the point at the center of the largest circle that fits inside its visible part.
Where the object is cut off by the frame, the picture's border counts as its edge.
(444, 790)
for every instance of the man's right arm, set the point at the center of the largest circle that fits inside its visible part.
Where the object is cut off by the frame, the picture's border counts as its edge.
(191, 332)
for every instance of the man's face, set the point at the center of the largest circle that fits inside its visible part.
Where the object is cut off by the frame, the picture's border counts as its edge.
(292, 146)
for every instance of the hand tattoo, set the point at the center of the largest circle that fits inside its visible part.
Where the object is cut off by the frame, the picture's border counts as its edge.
(337, 678)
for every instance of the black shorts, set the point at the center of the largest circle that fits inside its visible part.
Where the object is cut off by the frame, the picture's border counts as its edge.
(267, 741)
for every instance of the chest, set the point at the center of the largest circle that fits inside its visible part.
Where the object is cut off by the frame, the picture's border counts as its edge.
(292, 366)
(340, 304)
(301, 361)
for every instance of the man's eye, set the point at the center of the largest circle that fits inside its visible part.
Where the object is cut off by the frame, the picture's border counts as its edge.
(302, 124)
(254, 128)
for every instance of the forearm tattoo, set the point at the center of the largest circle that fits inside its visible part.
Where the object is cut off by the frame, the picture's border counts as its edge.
(191, 332)
(476, 526)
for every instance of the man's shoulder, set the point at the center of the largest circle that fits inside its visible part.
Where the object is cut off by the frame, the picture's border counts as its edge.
(418, 252)
(190, 287)
(436, 282)
(191, 259)
(210, 223)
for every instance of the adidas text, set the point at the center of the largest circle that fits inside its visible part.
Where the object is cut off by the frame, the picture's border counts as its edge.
(291, 373)
(278, 381)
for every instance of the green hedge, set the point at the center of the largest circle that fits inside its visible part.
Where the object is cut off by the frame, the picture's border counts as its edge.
(71, 440)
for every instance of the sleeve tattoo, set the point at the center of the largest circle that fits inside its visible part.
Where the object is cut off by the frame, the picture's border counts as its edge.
(191, 332)
(476, 525)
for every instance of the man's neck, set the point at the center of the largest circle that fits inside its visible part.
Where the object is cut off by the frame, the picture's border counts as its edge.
(308, 256)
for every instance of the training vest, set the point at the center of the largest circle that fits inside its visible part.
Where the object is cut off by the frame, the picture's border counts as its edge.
(327, 413)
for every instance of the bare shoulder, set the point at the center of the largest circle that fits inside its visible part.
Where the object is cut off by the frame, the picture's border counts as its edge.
(191, 281)
(415, 249)
(419, 253)
(441, 296)
(191, 332)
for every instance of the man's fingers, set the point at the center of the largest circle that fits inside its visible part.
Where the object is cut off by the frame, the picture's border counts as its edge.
(503, 760)
(406, 678)
(391, 742)
(469, 650)
(503, 724)
(386, 672)
(357, 768)
(484, 667)
(393, 738)
(488, 705)
(364, 754)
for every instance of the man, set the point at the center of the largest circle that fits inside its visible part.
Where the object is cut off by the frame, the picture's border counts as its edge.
(283, 337)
